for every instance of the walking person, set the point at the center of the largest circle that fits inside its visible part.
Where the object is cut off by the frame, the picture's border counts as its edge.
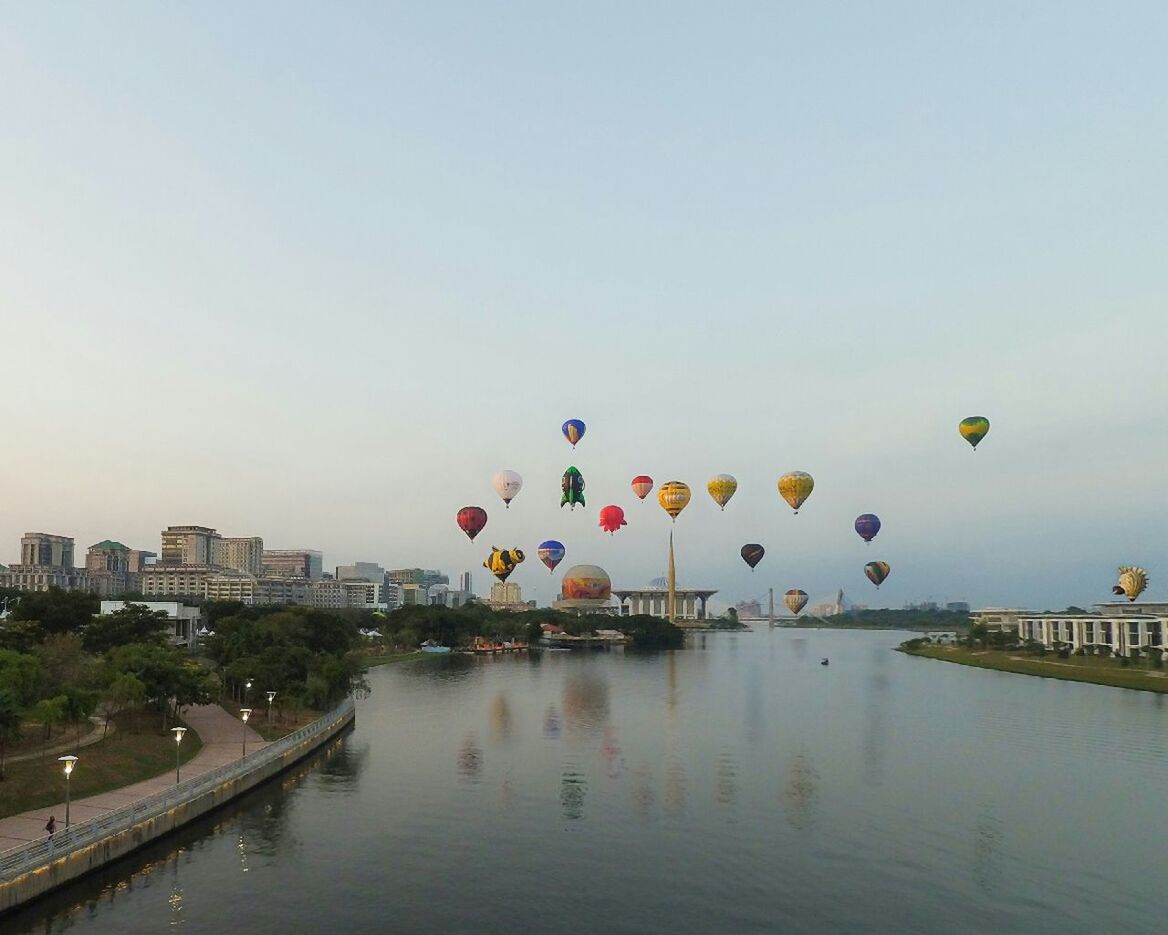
(51, 825)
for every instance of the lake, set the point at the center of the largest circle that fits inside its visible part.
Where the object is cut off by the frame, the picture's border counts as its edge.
(736, 786)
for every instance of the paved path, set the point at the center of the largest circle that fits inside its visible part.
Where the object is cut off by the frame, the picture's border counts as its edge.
(222, 736)
(97, 735)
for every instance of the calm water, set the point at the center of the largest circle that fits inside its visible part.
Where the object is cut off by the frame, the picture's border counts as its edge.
(738, 786)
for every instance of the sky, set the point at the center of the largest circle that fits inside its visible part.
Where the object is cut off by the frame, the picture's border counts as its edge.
(317, 272)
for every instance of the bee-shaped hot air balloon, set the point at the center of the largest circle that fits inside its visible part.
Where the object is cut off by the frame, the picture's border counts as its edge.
(1132, 581)
(501, 562)
(795, 600)
(573, 431)
(752, 554)
(867, 525)
(471, 520)
(572, 485)
(721, 488)
(795, 488)
(974, 429)
(612, 518)
(673, 497)
(551, 553)
(642, 484)
(877, 572)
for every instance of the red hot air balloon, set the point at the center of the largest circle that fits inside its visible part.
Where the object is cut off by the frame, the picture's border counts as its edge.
(471, 520)
(612, 518)
(642, 484)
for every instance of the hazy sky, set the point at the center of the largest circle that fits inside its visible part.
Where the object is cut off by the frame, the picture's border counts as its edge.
(316, 271)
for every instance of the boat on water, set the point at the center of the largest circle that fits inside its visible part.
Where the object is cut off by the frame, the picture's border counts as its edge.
(431, 646)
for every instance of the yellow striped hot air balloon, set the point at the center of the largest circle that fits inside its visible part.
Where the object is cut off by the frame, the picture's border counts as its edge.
(673, 496)
(795, 487)
(1132, 581)
(721, 488)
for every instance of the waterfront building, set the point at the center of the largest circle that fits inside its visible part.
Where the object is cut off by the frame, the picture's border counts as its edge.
(1119, 632)
(998, 619)
(240, 553)
(184, 622)
(293, 563)
(654, 601)
(46, 561)
(189, 545)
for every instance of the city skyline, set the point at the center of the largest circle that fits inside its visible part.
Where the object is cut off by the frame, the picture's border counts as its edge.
(324, 286)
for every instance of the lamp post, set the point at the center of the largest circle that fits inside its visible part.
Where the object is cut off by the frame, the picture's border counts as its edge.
(245, 713)
(70, 761)
(178, 736)
(246, 690)
(271, 698)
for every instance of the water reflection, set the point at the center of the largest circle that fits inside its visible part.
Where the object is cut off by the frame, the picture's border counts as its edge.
(175, 900)
(987, 846)
(610, 750)
(573, 786)
(499, 714)
(674, 787)
(642, 790)
(755, 706)
(585, 700)
(551, 723)
(726, 790)
(470, 757)
(875, 733)
(800, 793)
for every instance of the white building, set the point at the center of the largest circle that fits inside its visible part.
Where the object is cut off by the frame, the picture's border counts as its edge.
(185, 621)
(1120, 632)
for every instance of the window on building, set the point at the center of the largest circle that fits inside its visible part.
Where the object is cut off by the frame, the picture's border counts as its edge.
(1105, 626)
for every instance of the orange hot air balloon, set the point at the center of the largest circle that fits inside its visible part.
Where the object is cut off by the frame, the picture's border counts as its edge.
(642, 484)
(795, 600)
(673, 497)
(795, 488)
(612, 517)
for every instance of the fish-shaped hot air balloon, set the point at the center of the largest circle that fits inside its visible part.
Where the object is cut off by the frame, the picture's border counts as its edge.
(795, 487)
(752, 554)
(574, 430)
(973, 429)
(471, 520)
(867, 525)
(721, 488)
(877, 572)
(795, 600)
(572, 485)
(551, 553)
(673, 497)
(642, 484)
(507, 485)
(1131, 583)
(612, 517)
(501, 562)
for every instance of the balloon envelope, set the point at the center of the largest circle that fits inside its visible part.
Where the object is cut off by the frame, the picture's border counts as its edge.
(973, 429)
(795, 488)
(1131, 583)
(877, 572)
(795, 600)
(673, 497)
(867, 525)
(612, 517)
(642, 484)
(752, 554)
(501, 562)
(551, 553)
(721, 488)
(574, 430)
(507, 485)
(572, 485)
(471, 520)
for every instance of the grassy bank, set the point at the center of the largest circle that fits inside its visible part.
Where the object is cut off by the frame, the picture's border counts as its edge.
(1072, 669)
(122, 759)
(371, 661)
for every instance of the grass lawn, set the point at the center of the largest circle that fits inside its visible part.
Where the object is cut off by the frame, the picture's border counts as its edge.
(1098, 671)
(122, 759)
(371, 661)
(283, 721)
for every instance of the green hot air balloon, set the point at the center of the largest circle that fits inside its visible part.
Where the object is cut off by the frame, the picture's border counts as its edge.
(974, 429)
(572, 485)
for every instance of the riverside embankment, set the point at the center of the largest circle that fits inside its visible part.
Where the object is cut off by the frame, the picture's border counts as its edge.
(33, 869)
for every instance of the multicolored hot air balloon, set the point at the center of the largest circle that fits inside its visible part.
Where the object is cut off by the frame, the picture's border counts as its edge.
(795, 488)
(721, 488)
(574, 430)
(1132, 581)
(877, 572)
(642, 484)
(612, 517)
(673, 497)
(795, 600)
(471, 520)
(867, 525)
(501, 562)
(973, 429)
(572, 485)
(551, 553)
(507, 485)
(752, 554)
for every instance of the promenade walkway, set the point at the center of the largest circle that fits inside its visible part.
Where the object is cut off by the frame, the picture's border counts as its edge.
(222, 736)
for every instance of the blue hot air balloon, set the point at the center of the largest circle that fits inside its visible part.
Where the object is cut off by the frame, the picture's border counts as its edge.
(551, 553)
(867, 525)
(574, 430)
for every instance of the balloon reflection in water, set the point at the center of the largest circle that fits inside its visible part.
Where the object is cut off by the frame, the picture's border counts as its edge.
(470, 757)
(585, 701)
(611, 752)
(573, 785)
(500, 717)
(801, 792)
(727, 790)
(552, 725)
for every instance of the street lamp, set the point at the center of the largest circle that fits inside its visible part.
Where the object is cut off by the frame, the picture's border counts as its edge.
(271, 698)
(178, 736)
(245, 713)
(70, 761)
(246, 690)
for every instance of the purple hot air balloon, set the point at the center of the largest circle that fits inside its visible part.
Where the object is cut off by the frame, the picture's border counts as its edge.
(867, 525)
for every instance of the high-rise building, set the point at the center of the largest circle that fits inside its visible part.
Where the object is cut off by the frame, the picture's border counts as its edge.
(361, 571)
(506, 594)
(293, 563)
(46, 561)
(43, 550)
(427, 577)
(189, 545)
(464, 583)
(242, 553)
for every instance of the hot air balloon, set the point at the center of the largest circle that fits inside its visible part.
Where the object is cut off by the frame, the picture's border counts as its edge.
(673, 497)
(551, 553)
(471, 520)
(572, 484)
(642, 484)
(795, 600)
(974, 429)
(877, 572)
(612, 517)
(1132, 581)
(752, 554)
(501, 562)
(507, 485)
(721, 488)
(795, 488)
(867, 525)
(574, 430)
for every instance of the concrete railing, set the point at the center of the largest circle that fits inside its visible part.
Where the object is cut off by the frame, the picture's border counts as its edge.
(36, 854)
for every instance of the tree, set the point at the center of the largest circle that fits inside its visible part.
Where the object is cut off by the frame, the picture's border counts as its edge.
(47, 712)
(57, 611)
(9, 725)
(78, 706)
(125, 691)
(134, 623)
(64, 663)
(20, 674)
